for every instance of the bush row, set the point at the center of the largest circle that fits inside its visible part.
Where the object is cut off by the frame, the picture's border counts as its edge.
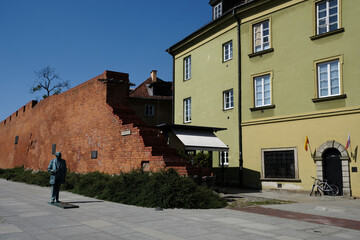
(166, 189)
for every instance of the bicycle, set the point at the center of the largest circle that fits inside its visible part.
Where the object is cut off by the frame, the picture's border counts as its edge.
(324, 187)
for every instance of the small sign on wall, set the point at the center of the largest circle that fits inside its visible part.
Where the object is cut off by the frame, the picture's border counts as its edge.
(94, 154)
(125, 133)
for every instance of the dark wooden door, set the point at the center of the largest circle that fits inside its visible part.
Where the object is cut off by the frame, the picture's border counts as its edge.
(332, 168)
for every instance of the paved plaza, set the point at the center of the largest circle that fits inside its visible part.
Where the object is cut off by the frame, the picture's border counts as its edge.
(26, 215)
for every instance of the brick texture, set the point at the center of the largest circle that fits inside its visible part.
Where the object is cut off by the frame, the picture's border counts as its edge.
(94, 116)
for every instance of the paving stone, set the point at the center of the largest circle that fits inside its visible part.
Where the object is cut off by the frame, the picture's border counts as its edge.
(32, 218)
(97, 223)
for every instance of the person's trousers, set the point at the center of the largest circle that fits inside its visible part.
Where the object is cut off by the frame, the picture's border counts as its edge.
(55, 189)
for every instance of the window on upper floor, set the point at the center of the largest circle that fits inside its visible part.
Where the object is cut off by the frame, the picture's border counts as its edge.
(223, 158)
(328, 78)
(262, 90)
(187, 110)
(279, 163)
(149, 110)
(187, 68)
(327, 16)
(228, 99)
(217, 11)
(261, 36)
(228, 51)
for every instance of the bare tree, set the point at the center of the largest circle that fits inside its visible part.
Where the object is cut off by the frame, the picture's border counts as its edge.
(48, 80)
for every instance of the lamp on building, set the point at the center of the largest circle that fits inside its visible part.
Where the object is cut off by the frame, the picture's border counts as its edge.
(354, 155)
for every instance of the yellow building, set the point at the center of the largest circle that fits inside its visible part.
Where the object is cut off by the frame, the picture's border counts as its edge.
(292, 75)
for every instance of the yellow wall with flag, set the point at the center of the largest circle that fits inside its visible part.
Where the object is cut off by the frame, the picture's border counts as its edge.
(290, 132)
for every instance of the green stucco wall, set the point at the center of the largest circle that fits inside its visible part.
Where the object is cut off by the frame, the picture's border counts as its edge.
(206, 88)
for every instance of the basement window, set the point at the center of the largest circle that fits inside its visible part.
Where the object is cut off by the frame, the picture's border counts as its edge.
(279, 163)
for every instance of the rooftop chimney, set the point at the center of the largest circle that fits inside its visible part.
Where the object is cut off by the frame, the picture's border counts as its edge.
(153, 75)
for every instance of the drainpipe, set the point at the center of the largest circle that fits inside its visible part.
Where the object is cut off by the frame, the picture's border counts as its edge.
(173, 90)
(239, 101)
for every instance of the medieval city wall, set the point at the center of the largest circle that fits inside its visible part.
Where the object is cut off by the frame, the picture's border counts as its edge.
(79, 121)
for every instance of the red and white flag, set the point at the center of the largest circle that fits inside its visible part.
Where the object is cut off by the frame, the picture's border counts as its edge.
(348, 142)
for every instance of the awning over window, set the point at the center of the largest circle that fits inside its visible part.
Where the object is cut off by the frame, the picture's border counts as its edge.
(196, 137)
(200, 140)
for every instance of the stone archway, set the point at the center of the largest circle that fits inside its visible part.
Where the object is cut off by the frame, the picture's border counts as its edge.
(345, 159)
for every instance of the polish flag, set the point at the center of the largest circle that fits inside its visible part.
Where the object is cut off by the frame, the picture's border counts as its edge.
(348, 142)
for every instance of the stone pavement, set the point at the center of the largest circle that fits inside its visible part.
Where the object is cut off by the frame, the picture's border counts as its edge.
(25, 214)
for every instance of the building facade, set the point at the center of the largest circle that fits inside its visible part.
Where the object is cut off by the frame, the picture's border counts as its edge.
(152, 100)
(275, 74)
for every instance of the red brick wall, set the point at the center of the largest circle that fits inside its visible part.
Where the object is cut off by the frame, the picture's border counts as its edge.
(90, 117)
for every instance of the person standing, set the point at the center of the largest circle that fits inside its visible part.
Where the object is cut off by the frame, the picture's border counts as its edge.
(57, 169)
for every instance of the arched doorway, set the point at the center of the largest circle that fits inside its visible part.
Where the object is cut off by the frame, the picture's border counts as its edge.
(332, 169)
(326, 156)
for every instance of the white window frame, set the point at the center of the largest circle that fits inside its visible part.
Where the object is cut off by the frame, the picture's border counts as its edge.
(296, 169)
(224, 154)
(264, 39)
(187, 68)
(228, 99)
(331, 81)
(217, 11)
(187, 110)
(149, 110)
(261, 79)
(228, 51)
(324, 21)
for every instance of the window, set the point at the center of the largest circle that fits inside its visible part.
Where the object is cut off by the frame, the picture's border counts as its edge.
(261, 34)
(328, 78)
(149, 110)
(228, 51)
(224, 157)
(217, 11)
(327, 16)
(187, 110)
(262, 90)
(187, 68)
(228, 99)
(279, 163)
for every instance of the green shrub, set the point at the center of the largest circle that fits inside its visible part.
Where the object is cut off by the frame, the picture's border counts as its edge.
(91, 184)
(166, 189)
(71, 179)
(202, 160)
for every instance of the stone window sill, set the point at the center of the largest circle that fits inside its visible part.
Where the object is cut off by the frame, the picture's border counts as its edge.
(262, 108)
(280, 180)
(251, 55)
(340, 30)
(342, 96)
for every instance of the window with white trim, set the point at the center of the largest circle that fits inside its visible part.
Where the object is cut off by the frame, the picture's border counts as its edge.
(328, 76)
(228, 99)
(149, 110)
(327, 16)
(187, 110)
(224, 157)
(261, 36)
(228, 51)
(187, 68)
(262, 90)
(217, 11)
(279, 163)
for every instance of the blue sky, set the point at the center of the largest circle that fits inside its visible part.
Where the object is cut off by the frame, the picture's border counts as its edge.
(82, 38)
